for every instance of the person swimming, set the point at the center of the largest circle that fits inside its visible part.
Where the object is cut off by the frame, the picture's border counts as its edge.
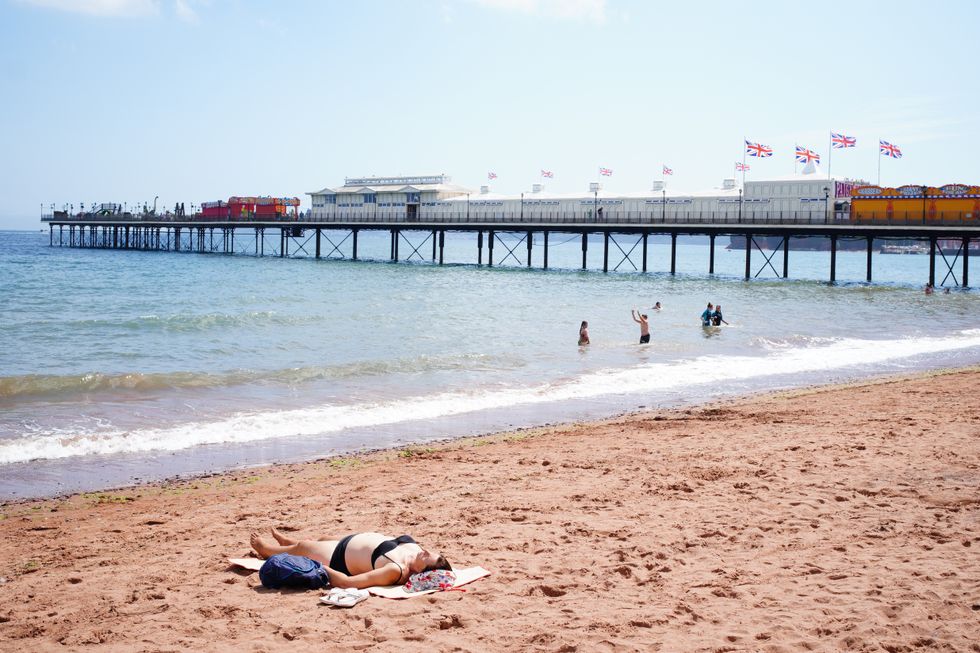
(641, 319)
(358, 560)
(707, 315)
(583, 334)
(657, 306)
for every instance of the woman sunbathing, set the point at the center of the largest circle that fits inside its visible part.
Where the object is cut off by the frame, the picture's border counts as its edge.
(359, 560)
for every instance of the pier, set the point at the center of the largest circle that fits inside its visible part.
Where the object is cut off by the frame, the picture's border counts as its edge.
(624, 244)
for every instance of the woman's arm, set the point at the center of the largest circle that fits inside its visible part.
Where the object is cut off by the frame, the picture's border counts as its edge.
(390, 574)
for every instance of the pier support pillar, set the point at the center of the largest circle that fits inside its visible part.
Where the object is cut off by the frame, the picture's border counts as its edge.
(833, 258)
(585, 250)
(966, 262)
(786, 257)
(645, 235)
(605, 251)
(434, 236)
(867, 272)
(490, 239)
(397, 236)
(748, 256)
(282, 243)
(479, 247)
(530, 243)
(545, 250)
(176, 239)
(711, 254)
(318, 242)
(932, 261)
(442, 245)
(673, 253)
(353, 234)
(261, 237)
(50, 235)
(126, 237)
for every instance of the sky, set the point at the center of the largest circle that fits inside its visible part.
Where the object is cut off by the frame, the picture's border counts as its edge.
(197, 100)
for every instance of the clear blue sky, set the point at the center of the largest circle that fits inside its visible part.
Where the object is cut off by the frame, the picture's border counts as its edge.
(193, 100)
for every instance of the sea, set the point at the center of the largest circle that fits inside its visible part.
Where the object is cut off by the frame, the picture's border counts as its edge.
(123, 367)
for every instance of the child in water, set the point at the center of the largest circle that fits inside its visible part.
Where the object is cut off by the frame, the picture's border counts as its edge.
(583, 334)
(716, 317)
(707, 315)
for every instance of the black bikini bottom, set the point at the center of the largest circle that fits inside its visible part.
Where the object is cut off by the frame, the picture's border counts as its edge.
(338, 561)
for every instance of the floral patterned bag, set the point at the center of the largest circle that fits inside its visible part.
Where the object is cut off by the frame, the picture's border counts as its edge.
(437, 579)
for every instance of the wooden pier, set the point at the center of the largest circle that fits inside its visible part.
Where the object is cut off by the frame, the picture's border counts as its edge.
(407, 240)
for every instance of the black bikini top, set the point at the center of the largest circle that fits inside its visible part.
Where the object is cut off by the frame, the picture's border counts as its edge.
(385, 547)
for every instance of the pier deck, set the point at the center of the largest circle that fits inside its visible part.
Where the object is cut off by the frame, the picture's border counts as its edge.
(199, 236)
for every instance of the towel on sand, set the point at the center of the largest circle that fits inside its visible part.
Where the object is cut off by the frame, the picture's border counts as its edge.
(463, 577)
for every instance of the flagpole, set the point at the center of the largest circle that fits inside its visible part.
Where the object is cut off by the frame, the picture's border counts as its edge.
(879, 161)
(744, 149)
(830, 153)
(795, 145)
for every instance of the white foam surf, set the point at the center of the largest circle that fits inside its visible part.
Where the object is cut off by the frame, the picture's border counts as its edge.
(645, 379)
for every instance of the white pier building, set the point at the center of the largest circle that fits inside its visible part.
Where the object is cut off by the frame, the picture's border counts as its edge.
(808, 195)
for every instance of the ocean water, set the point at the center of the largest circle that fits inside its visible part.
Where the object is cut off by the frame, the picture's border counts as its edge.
(125, 366)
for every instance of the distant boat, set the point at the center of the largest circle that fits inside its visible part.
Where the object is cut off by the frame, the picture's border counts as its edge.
(904, 249)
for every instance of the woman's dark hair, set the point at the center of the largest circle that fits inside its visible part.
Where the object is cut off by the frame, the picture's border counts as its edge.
(440, 563)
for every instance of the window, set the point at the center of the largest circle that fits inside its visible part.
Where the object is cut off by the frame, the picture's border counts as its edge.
(329, 199)
(413, 198)
(370, 198)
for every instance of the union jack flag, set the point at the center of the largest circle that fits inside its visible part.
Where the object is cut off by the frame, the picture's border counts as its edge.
(888, 149)
(741, 167)
(804, 155)
(547, 173)
(605, 172)
(491, 175)
(839, 141)
(757, 149)
(668, 171)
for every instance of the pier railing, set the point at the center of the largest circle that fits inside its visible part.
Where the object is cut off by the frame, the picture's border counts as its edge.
(557, 217)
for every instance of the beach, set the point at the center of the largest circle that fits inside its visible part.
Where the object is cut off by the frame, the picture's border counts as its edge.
(824, 519)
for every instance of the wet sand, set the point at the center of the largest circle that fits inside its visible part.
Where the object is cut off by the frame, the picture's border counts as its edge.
(839, 518)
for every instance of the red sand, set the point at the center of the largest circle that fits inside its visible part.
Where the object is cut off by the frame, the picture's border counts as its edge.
(832, 519)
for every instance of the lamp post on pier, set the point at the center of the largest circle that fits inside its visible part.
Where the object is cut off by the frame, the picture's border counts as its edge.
(740, 206)
(664, 204)
(467, 206)
(522, 207)
(826, 204)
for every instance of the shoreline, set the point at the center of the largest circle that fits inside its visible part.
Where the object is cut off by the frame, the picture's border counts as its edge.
(439, 443)
(821, 518)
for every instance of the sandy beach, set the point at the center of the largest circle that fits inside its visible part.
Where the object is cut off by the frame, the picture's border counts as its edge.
(838, 518)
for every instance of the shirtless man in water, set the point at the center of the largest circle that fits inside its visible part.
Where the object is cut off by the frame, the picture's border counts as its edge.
(359, 560)
(641, 319)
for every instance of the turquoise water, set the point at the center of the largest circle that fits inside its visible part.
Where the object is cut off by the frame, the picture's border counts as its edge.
(118, 366)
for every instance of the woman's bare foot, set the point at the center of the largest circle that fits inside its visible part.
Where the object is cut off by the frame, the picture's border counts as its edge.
(282, 539)
(263, 547)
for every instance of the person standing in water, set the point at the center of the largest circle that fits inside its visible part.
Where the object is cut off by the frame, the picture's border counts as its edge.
(583, 334)
(717, 318)
(708, 313)
(641, 319)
